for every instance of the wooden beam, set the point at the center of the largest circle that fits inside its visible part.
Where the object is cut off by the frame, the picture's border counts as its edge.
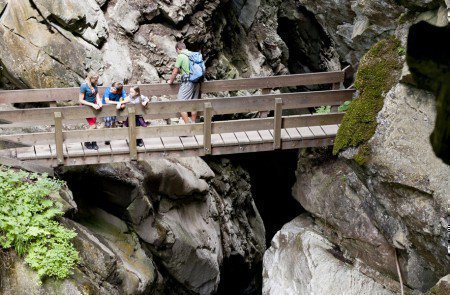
(59, 139)
(335, 108)
(165, 110)
(65, 94)
(207, 127)
(132, 132)
(277, 123)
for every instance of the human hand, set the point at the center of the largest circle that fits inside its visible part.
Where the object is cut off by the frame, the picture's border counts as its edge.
(170, 82)
(96, 106)
(122, 106)
(119, 106)
(144, 103)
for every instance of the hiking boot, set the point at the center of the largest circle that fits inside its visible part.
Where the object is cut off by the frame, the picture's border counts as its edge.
(139, 142)
(88, 145)
(94, 145)
(107, 142)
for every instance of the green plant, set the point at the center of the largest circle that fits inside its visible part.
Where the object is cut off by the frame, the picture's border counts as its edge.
(28, 223)
(344, 107)
(378, 72)
(323, 110)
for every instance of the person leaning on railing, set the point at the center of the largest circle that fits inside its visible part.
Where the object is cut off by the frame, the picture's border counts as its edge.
(113, 95)
(135, 97)
(89, 96)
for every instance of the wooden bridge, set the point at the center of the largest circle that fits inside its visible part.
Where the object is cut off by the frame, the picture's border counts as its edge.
(63, 145)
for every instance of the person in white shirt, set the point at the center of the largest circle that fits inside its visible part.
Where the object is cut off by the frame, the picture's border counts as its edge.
(135, 97)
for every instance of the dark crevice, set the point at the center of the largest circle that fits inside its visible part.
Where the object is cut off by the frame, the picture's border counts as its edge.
(2, 12)
(51, 27)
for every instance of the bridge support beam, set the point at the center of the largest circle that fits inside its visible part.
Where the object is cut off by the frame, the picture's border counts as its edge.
(207, 128)
(59, 138)
(277, 118)
(132, 133)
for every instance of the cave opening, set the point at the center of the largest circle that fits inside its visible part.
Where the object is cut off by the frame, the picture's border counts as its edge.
(272, 176)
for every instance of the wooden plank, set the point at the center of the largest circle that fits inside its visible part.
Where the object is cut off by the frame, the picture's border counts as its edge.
(200, 139)
(59, 139)
(330, 130)
(293, 133)
(64, 94)
(102, 148)
(317, 131)
(253, 136)
(216, 139)
(242, 137)
(277, 123)
(172, 143)
(207, 127)
(119, 146)
(265, 135)
(229, 138)
(168, 109)
(305, 132)
(283, 134)
(43, 151)
(153, 144)
(189, 142)
(132, 133)
(26, 153)
(74, 150)
(335, 86)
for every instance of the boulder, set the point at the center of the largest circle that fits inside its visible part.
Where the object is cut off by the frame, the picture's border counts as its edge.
(302, 261)
(396, 199)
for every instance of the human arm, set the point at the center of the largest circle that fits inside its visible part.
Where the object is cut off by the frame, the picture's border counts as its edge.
(174, 75)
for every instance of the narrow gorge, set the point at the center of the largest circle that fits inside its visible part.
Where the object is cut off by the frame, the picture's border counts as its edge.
(368, 215)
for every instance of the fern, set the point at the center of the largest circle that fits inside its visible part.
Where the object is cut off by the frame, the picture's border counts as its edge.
(27, 223)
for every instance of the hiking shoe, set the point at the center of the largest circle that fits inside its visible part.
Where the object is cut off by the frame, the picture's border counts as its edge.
(107, 142)
(88, 145)
(139, 142)
(94, 145)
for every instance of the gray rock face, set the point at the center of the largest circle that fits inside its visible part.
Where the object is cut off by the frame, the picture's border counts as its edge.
(189, 216)
(302, 261)
(396, 200)
(354, 26)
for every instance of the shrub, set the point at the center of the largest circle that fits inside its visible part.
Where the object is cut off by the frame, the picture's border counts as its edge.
(28, 223)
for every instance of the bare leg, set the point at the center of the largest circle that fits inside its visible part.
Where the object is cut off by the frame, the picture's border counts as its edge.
(185, 117)
(194, 116)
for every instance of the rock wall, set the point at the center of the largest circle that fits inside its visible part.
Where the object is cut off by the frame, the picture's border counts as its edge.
(157, 227)
(49, 44)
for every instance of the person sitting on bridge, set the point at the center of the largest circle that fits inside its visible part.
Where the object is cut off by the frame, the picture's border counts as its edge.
(136, 97)
(89, 96)
(189, 88)
(113, 94)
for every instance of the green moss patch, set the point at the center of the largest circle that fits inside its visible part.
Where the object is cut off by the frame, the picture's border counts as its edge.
(28, 223)
(378, 72)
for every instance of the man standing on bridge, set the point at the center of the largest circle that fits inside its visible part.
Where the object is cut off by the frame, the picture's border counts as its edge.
(192, 69)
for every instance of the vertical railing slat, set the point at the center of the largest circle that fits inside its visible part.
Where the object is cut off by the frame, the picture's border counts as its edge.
(59, 138)
(132, 132)
(277, 123)
(207, 128)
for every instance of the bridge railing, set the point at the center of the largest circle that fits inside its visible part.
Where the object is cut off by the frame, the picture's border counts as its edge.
(265, 83)
(165, 110)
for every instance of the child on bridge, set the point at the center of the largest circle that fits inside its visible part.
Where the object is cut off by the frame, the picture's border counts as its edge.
(135, 97)
(89, 96)
(113, 95)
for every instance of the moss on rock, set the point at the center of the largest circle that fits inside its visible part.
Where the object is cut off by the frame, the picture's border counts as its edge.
(378, 72)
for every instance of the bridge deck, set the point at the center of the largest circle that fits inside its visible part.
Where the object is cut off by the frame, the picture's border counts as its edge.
(173, 146)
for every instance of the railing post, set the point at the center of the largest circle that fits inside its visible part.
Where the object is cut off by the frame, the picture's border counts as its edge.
(59, 139)
(132, 132)
(277, 123)
(207, 128)
(336, 86)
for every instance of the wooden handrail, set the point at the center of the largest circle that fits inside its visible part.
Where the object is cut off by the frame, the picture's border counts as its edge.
(169, 109)
(177, 130)
(67, 94)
